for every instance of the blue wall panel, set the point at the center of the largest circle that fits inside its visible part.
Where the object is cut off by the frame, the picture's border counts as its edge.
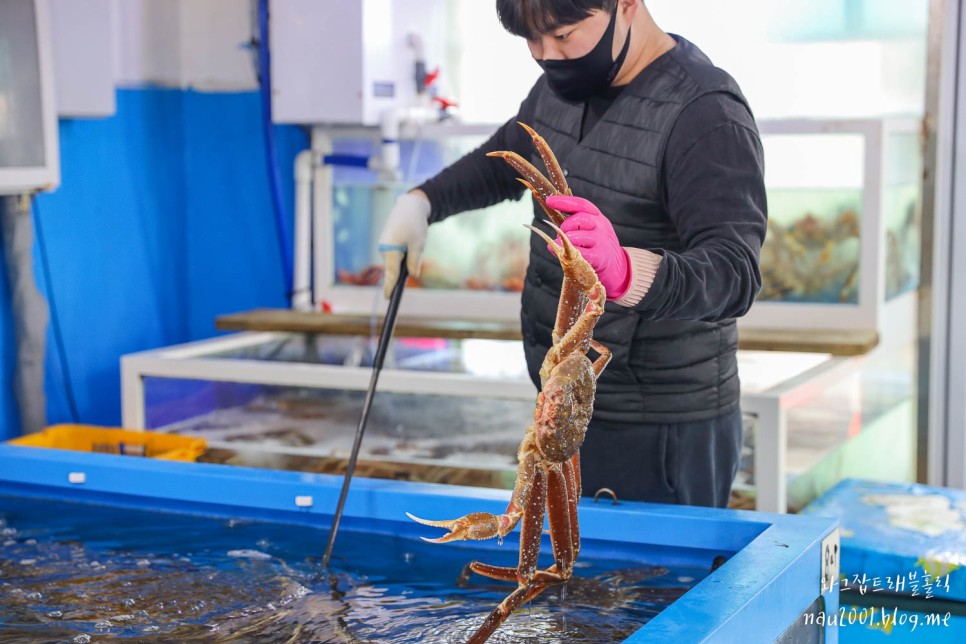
(162, 222)
(112, 234)
(9, 419)
(233, 256)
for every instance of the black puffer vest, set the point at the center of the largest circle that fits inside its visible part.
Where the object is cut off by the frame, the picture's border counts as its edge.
(662, 371)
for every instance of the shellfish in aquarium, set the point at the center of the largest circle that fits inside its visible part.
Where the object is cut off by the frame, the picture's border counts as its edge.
(481, 250)
(812, 259)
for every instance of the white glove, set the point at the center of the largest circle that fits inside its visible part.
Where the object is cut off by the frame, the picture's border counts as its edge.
(404, 232)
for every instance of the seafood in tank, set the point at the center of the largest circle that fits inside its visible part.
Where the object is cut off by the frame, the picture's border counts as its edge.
(77, 572)
(814, 258)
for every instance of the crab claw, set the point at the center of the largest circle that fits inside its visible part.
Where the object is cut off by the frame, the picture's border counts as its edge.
(554, 172)
(555, 215)
(475, 526)
(541, 185)
(572, 262)
(565, 251)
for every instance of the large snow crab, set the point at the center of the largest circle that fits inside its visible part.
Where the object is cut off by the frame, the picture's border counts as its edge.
(548, 477)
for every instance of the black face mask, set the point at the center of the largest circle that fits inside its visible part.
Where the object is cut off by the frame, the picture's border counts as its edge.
(577, 79)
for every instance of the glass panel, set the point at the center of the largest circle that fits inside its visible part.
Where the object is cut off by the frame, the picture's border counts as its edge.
(745, 483)
(483, 358)
(811, 252)
(467, 439)
(861, 426)
(857, 423)
(901, 209)
(485, 249)
(463, 440)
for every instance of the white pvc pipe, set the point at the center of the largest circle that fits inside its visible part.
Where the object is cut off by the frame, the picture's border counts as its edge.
(322, 219)
(387, 162)
(302, 270)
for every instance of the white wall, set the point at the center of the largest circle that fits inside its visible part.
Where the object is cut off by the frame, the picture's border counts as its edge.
(215, 55)
(205, 45)
(148, 42)
(83, 43)
(494, 70)
(202, 44)
(102, 44)
(805, 59)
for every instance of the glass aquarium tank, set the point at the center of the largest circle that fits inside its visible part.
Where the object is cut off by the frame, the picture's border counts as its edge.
(842, 240)
(842, 248)
(447, 410)
(480, 250)
(473, 265)
(815, 184)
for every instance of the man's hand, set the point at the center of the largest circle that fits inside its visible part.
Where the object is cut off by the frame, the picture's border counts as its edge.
(593, 235)
(404, 233)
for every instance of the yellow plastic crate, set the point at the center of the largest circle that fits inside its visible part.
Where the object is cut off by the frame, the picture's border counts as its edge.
(111, 440)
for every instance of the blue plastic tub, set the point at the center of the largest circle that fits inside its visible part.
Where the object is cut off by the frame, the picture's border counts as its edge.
(769, 588)
(903, 557)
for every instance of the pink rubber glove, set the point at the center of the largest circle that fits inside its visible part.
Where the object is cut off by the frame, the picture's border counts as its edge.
(592, 234)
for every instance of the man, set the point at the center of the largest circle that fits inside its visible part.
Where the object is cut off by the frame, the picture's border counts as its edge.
(663, 156)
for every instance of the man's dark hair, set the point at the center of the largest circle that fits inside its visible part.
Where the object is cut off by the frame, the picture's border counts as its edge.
(532, 18)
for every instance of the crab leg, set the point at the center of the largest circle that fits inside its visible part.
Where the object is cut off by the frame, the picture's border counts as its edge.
(500, 573)
(541, 186)
(533, 179)
(572, 300)
(555, 216)
(483, 525)
(532, 582)
(563, 491)
(582, 281)
(514, 600)
(603, 357)
(571, 470)
(532, 528)
(561, 507)
(564, 536)
(582, 300)
(554, 171)
(561, 519)
(580, 332)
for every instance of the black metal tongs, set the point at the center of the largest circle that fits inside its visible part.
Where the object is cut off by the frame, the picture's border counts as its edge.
(384, 337)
